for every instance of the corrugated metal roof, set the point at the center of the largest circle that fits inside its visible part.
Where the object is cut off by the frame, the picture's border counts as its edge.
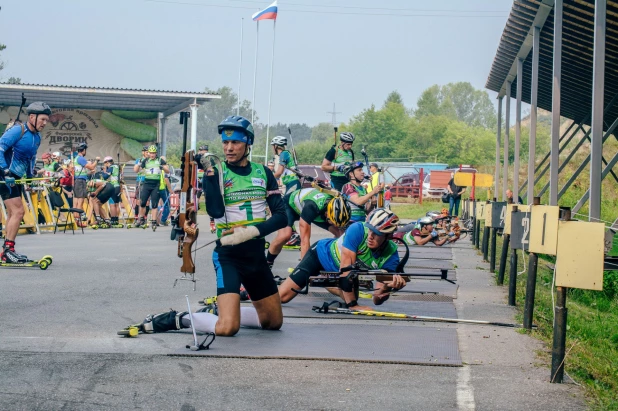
(577, 55)
(102, 98)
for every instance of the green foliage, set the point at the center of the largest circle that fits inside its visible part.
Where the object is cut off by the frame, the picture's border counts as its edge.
(394, 97)
(312, 152)
(2, 47)
(459, 101)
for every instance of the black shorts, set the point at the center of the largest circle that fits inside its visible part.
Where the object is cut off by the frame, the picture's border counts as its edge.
(150, 189)
(105, 194)
(80, 188)
(7, 192)
(309, 266)
(244, 264)
(116, 196)
(309, 214)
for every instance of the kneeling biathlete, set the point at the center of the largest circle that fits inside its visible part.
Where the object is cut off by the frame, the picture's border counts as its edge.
(240, 216)
(369, 243)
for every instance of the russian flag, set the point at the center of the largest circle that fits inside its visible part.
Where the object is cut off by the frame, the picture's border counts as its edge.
(269, 13)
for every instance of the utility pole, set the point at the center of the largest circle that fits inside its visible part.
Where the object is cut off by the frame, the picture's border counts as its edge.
(334, 115)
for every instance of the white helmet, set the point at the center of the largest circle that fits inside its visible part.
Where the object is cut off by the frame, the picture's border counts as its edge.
(56, 154)
(346, 137)
(279, 141)
(382, 221)
(425, 220)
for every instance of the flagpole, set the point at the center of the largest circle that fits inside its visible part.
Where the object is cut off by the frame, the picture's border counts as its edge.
(270, 93)
(257, 38)
(240, 67)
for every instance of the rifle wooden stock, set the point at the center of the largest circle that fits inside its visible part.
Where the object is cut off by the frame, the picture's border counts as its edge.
(187, 217)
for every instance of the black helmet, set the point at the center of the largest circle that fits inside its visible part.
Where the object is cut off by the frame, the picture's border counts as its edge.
(145, 148)
(82, 146)
(349, 167)
(38, 107)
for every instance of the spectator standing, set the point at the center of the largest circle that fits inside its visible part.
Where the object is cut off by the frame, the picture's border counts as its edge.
(455, 193)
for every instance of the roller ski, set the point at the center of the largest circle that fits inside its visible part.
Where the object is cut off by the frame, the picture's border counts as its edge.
(213, 227)
(157, 323)
(114, 223)
(100, 223)
(293, 243)
(138, 223)
(12, 259)
(153, 225)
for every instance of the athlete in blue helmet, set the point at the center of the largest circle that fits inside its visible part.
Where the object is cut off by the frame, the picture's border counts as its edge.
(18, 147)
(240, 215)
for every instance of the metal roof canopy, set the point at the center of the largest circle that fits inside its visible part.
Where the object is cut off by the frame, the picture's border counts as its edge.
(98, 98)
(577, 56)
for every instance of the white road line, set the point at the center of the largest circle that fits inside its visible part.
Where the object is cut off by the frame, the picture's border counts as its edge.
(465, 393)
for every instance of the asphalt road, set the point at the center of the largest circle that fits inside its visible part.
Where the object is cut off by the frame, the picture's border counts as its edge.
(59, 349)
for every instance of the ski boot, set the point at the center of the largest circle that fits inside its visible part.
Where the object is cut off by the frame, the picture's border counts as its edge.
(10, 258)
(154, 225)
(139, 222)
(157, 323)
(213, 228)
(293, 243)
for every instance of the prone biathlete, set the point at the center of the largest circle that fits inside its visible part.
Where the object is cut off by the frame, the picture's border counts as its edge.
(240, 215)
(113, 172)
(18, 147)
(310, 206)
(368, 243)
(152, 166)
(423, 232)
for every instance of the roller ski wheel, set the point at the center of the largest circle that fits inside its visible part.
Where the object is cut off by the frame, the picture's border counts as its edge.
(117, 225)
(154, 225)
(208, 301)
(266, 245)
(131, 331)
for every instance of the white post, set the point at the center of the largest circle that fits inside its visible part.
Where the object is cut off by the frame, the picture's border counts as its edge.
(498, 137)
(240, 67)
(194, 107)
(555, 105)
(534, 91)
(270, 93)
(257, 38)
(520, 75)
(507, 129)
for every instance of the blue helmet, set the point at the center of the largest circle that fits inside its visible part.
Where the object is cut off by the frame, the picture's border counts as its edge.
(236, 128)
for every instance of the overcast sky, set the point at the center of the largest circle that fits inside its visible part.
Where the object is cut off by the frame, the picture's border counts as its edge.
(348, 52)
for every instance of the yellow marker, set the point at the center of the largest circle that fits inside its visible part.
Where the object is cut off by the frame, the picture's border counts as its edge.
(480, 180)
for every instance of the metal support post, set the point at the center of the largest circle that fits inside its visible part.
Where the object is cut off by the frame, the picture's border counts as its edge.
(555, 104)
(531, 284)
(163, 134)
(194, 126)
(473, 234)
(533, 106)
(513, 273)
(498, 137)
(492, 253)
(520, 75)
(507, 125)
(477, 234)
(598, 97)
(560, 325)
(486, 231)
(584, 198)
(506, 239)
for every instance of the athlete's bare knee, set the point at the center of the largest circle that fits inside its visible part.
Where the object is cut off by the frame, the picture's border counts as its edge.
(227, 329)
(272, 324)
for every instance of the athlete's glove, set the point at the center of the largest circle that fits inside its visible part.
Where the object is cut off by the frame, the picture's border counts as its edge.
(340, 168)
(10, 181)
(239, 235)
(434, 233)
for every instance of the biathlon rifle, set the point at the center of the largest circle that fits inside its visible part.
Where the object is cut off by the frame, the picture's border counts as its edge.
(337, 307)
(315, 183)
(292, 144)
(355, 272)
(185, 228)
